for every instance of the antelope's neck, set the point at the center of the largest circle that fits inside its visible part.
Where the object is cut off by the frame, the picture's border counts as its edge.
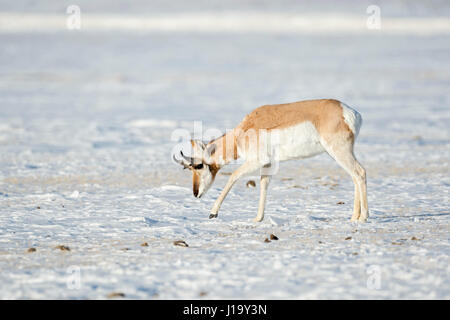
(226, 149)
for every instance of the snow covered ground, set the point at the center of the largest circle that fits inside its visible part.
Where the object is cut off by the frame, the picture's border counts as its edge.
(87, 122)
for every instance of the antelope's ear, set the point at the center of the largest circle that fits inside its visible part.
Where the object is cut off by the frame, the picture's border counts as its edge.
(198, 150)
(209, 152)
(211, 149)
(198, 143)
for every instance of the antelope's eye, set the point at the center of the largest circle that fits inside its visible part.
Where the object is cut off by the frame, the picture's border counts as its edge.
(199, 166)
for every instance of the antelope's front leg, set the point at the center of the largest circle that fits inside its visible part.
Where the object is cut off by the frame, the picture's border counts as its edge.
(262, 198)
(245, 168)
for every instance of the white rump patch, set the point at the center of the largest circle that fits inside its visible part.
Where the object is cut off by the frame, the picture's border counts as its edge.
(352, 118)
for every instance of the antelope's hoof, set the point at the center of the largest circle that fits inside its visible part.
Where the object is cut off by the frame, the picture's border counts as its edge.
(359, 219)
(212, 215)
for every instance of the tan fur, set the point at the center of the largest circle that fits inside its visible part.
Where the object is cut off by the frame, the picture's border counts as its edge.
(214, 168)
(325, 114)
(226, 149)
(195, 181)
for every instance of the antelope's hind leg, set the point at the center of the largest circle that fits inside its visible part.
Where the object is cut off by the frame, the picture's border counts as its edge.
(356, 202)
(342, 152)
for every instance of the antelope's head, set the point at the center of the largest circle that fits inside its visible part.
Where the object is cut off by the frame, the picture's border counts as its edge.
(203, 169)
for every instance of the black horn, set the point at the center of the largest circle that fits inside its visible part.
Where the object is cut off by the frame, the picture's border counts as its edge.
(180, 162)
(188, 159)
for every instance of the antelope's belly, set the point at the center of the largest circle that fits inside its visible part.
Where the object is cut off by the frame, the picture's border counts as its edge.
(296, 142)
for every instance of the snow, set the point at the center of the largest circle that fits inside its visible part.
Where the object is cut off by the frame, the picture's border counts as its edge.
(87, 129)
(219, 22)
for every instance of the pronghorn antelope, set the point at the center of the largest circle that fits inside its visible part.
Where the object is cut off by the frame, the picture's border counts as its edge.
(281, 132)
